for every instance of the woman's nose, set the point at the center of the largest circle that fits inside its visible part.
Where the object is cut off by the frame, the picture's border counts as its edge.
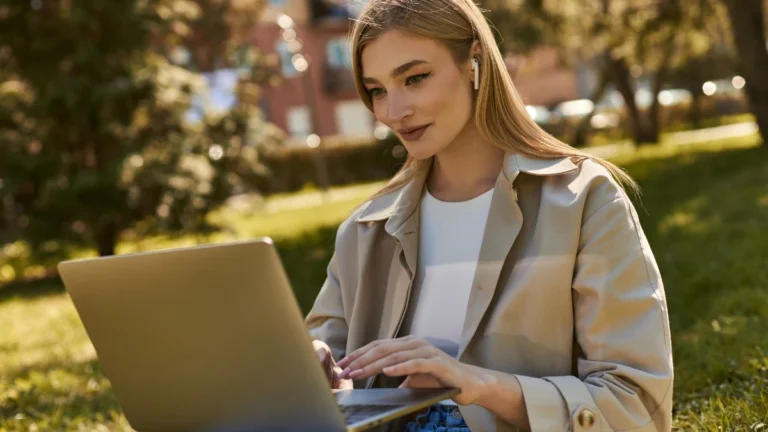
(398, 107)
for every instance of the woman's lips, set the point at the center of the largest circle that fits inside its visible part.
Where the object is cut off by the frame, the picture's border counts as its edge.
(414, 134)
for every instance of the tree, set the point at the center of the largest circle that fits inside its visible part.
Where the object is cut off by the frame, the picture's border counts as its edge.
(718, 63)
(749, 34)
(93, 131)
(627, 41)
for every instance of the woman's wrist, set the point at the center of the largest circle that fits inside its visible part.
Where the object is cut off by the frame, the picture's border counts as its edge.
(485, 385)
(502, 394)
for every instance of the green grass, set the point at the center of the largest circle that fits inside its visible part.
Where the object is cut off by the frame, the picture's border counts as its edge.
(704, 209)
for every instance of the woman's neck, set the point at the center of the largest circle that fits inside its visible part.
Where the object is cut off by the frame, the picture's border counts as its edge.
(465, 169)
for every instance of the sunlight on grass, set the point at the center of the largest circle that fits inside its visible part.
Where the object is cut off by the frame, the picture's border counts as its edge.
(298, 216)
(665, 151)
(41, 330)
(686, 218)
(763, 200)
(48, 376)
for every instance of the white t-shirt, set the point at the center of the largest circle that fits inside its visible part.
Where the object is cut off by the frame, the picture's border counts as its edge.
(449, 246)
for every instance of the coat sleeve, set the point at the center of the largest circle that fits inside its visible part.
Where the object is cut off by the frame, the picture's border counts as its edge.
(326, 320)
(621, 324)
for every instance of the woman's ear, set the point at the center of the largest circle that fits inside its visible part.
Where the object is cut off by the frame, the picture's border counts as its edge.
(476, 51)
(475, 56)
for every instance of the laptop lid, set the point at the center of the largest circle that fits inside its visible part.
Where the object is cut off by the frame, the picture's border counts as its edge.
(203, 338)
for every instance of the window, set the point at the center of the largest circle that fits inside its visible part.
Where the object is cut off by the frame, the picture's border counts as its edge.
(285, 59)
(299, 124)
(353, 119)
(335, 10)
(339, 53)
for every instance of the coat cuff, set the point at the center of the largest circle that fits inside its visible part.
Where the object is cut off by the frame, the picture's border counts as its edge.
(559, 404)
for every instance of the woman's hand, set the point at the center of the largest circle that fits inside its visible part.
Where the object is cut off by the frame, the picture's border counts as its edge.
(332, 371)
(425, 365)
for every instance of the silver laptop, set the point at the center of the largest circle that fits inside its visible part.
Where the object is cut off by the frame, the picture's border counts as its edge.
(211, 338)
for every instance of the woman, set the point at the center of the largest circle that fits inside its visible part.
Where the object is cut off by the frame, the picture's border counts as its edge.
(498, 260)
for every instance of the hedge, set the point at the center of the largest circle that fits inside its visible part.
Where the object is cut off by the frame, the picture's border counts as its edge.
(294, 168)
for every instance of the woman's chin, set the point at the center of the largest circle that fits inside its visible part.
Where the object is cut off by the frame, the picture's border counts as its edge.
(420, 151)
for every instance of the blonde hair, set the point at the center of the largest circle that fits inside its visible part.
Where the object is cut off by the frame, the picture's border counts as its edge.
(499, 112)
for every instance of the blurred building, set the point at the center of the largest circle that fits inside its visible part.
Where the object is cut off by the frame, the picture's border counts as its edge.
(323, 26)
(542, 79)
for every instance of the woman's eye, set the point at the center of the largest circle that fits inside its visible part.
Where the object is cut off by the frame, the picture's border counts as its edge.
(375, 92)
(416, 79)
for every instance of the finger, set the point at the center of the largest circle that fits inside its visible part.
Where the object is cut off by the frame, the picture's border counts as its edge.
(347, 385)
(420, 381)
(326, 359)
(340, 383)
(393, 358)
(406, 383)
(431, 366)
(354, 355)
(337, 381)
(380, 351)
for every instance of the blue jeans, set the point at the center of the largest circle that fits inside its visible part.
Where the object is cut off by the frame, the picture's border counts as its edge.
(439, 418)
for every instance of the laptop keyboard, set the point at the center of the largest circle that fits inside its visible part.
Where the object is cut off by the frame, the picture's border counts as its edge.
(356, 413)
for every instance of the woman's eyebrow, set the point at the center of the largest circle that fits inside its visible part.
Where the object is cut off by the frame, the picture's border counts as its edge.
(396, 72)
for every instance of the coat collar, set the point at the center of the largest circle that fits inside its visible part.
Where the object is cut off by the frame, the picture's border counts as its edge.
(398, 206)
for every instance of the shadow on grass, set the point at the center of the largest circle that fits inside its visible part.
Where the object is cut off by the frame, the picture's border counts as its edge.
(305, 258)
(703, 218)
(31, 289)
(705, 215)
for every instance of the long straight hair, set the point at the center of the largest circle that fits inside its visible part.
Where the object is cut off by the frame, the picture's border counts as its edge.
(499, 113)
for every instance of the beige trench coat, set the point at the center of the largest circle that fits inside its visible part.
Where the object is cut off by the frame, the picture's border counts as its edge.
(567, 296)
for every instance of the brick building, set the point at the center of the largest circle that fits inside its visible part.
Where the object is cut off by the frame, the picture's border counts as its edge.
(323, 27)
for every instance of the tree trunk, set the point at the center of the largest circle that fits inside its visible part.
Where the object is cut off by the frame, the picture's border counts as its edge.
(693, 85)
(747, 22)
(106, 238)
(695, 113)
(658, 84)
(580, 135)
(643, 131)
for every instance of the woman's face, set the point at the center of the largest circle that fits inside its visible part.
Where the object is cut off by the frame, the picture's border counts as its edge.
(417, 90)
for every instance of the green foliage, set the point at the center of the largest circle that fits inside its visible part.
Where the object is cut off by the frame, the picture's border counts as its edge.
(93, 136)
(645, 33)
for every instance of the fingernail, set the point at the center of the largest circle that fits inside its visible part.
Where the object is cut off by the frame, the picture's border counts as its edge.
(345, 372)
(356, 373)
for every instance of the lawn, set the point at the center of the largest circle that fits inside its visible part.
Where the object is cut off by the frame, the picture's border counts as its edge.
(704, 209)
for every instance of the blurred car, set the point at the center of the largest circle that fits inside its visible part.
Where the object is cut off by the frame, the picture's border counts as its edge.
(672, 97)
(539, 114)
(571, 112)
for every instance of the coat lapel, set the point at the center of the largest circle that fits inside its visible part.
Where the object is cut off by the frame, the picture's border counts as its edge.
(403, 226)
(502, 227)
(402, 223)
(403, 272)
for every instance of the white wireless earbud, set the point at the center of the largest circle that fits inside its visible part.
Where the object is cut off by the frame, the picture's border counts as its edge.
(476, 68)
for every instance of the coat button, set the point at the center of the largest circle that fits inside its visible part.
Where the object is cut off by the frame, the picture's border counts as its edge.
(456, 414)
(586, 419)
